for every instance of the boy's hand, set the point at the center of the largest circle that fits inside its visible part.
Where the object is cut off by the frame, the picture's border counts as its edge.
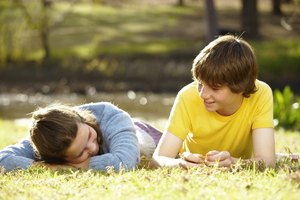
(191, 160)
(222, 157)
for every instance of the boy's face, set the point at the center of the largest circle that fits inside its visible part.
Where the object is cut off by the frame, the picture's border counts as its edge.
(84, 146)
(220, 99)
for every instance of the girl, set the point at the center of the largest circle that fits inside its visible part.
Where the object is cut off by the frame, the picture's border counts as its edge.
(90, 136)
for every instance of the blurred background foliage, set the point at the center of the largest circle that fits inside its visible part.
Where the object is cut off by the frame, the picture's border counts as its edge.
(143, 45)
(286, 109)
(63, 46)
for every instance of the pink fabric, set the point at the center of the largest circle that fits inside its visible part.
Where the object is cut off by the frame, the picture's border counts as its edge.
(153, 132)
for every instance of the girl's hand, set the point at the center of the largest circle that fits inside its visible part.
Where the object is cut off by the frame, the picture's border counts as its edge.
(223, 158)
(82, 165)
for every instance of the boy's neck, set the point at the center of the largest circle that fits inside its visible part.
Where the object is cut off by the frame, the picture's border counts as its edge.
(230, 110)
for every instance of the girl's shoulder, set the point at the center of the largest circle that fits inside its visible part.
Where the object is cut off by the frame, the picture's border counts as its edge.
(98, 106)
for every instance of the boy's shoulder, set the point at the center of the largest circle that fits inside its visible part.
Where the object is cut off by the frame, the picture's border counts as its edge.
(262, 86)
(190, 88)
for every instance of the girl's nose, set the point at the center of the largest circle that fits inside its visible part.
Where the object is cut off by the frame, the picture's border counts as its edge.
(91, 147)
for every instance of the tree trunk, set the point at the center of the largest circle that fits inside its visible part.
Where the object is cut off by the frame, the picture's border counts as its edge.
(211, 20)
(276, 7)
(44, 30)
(250, 24)
(180, 3)
(44, 34)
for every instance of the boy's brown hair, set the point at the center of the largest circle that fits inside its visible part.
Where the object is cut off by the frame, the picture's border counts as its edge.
(54, 129)
(230, 61)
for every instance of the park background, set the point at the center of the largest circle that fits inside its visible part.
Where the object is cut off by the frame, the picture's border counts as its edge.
(138, 54)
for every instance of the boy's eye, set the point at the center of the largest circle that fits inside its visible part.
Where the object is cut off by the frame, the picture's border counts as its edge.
(200, 86)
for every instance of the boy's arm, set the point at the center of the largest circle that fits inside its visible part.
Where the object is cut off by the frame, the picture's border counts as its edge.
(167, 150)
(264, 145)
(20, 155)
(263, 150)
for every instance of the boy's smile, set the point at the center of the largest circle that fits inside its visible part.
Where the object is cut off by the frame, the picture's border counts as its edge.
(221, 99)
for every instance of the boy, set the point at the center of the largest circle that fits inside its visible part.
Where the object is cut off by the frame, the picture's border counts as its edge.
(224, 115)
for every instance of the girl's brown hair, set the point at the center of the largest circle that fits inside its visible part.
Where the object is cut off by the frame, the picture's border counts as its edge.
(55, 127)
(229, 61)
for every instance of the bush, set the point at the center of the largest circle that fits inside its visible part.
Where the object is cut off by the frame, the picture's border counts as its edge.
(286, 109)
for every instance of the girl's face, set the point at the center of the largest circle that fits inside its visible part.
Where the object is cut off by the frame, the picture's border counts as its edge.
(220, 99)
(84, 146)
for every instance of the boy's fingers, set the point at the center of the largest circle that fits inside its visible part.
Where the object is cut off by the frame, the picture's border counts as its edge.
(213, 152)
(223, 163)
(218, 156)
(194, 158)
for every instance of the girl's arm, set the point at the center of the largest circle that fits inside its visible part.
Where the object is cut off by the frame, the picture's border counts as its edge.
(20, 155)
(120, 143)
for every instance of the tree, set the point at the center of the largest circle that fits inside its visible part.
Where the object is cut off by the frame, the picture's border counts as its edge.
(276, 7)
(42, 23)
(180, 3)
(211, 20)
(250, 25)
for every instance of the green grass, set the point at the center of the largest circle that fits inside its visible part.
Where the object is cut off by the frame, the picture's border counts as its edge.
(89, 30)
(273, 56)
(11, 132)
(242, 182)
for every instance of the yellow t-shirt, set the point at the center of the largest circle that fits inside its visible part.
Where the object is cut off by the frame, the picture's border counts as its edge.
(203, 131)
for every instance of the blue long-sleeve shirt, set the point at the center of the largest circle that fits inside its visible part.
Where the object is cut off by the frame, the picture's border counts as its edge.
(120, 144)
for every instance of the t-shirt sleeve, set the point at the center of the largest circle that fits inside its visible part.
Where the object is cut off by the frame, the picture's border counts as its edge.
(179, 122)
(264, 112)
(17, 156)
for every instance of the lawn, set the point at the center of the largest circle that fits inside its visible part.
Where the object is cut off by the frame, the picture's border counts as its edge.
(241, 182)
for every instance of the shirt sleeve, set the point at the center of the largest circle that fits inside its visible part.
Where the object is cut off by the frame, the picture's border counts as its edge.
(119, 134)
(179, 122)
(17, 156)
(264, 111)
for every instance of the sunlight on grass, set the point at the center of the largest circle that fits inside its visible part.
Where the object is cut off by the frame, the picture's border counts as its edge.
(36, 55)
(204, 182)
(11, 132)
(150, 47)
(92, 49)
(139, 28)
(287, 141)
(243, 181)
(86, 8)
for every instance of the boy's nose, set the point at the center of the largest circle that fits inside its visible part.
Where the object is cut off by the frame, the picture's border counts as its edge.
(204, 93)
